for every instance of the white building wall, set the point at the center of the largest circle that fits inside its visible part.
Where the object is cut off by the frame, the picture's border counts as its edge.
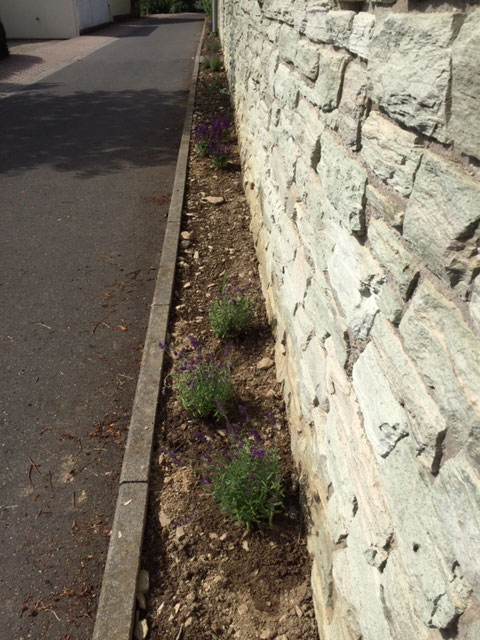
(51, 19)
(119, 7)
(91, 13)
(39, 18)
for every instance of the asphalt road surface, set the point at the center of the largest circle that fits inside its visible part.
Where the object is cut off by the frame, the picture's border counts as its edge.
(87, 160)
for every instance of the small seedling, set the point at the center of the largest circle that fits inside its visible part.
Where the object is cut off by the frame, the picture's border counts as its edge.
(230, 314)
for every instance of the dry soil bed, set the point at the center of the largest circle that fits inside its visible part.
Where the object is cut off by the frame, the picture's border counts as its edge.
(211, 578)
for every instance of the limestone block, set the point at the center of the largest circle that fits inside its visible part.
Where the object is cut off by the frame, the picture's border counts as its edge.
(300, 15)
(457, 488)
(390, 303)
(320, 306)
(285, 87)
(385, 421)
(353, 104)
(391, 209)
(424, 545)
(326, 91)
(311, 364)
(316, 20)
(272, 30)
(357, 280)
(287, 43)
(359, 586)
(307, 127)
(390, 153)
(282, 168)
(295, 281)
(361, 34)
(282, 10)
(309, 212)
(474, 306)
(399, 609)
(339, 27)
(344, 183)
(447, 353)
(463, 125)
(409, 66)
(393, 256)
(442, 220)
(427, 424)
(306, 58)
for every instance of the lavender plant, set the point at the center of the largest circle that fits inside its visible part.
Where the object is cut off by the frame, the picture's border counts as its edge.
(230, 314)
(213, 46)
(245, 480)
(210, 135)
(201, 381)
(214, 63)
(219, 152)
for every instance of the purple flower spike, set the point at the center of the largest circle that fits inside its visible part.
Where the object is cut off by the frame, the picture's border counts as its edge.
(256, 436)
(271, 418)
(163, 346)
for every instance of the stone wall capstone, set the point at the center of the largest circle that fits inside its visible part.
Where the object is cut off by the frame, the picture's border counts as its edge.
(359, 127)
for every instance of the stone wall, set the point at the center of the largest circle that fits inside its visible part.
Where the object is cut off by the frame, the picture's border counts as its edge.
(360, 140)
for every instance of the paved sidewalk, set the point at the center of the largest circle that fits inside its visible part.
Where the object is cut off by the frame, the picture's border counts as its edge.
(87, 162)
(31, 61)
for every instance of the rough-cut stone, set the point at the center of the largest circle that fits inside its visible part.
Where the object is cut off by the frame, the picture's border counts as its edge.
(442, 221)
(285, 89)
(306, 59)
(356, 280)
(325, 93)
(463, 126)
(457, 488)
(317, 15)
(474, 306)
(344, 184)
(427, 425)
(391, 209)
(321, 308)
(427, 554)
(390, 303)
(447, 353)
(379, 369)
(393, 256)
(352, 109)
(409, 67)
(277, 10)
(386, 422)
(361, 35)
(390, 153)
(339, 27)
(287, 43)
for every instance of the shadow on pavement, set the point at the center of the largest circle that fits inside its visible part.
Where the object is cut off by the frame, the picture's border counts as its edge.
(90, 133)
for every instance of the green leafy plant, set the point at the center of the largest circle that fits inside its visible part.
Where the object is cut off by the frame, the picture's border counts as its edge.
(230, 314)
(213, 46)
(245, 480)
(202, 382)
(210, 141)
(207, 7)
(214, 63)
